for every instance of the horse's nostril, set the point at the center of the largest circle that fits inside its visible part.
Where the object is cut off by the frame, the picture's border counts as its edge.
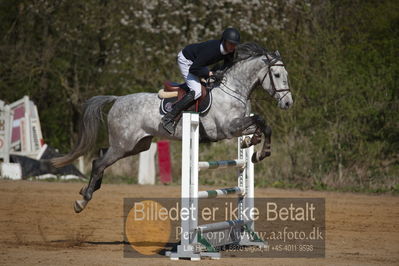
(287, 104)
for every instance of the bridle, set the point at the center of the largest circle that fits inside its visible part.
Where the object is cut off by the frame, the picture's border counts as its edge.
(270, 63)
(269, 72)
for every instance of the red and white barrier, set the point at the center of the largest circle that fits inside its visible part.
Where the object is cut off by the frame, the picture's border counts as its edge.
(20, 130)
(20, 134)
(164, 162)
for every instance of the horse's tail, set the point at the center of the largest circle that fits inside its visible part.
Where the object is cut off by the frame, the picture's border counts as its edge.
(88, 129)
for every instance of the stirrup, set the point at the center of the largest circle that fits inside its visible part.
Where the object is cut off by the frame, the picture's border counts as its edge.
(168, 124)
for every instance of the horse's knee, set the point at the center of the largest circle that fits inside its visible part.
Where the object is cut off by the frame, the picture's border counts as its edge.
(95, 164)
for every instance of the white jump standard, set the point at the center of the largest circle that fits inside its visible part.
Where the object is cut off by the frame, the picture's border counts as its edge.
(195, 242)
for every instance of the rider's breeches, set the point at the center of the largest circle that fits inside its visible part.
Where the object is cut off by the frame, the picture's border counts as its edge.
(192, 81)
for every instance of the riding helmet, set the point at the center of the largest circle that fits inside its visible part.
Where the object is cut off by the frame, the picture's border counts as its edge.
(232, 35)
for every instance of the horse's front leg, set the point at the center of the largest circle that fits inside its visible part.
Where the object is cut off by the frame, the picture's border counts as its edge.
(266, 148)
(257, 126)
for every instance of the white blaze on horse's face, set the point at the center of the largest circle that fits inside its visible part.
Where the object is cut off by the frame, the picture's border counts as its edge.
(274, 80)
(280, 79)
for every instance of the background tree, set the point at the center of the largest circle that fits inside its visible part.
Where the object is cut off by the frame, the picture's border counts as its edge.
(343, 130)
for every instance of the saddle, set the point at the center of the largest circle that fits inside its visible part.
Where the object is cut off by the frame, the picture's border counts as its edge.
(173, 92)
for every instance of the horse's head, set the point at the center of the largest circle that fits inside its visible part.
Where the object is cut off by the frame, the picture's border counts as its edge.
(274, 79)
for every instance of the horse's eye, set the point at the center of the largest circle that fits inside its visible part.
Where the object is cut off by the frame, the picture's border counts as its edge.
(277, 75)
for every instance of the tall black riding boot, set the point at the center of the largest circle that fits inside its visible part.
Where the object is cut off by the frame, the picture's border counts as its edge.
(168, 121)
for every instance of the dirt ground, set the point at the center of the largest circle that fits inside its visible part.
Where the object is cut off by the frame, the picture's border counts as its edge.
(38, 226)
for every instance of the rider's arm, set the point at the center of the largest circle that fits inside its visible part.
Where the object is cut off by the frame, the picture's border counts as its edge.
(206, 56)
(199, 69)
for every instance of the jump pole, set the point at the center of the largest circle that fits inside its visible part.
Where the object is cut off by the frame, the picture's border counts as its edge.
(194, 243)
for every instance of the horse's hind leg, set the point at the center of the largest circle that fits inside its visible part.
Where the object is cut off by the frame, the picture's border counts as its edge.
(99, 165)
(97, 185)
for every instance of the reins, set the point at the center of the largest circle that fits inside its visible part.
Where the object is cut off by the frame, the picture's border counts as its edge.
(268, 73)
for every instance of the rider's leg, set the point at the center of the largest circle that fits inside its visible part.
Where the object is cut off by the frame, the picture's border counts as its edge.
(168, 121)
(192, 81)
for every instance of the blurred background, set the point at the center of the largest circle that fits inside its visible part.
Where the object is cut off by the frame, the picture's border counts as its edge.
(342, 58)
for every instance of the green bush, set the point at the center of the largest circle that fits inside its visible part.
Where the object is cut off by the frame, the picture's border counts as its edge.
(341, 56)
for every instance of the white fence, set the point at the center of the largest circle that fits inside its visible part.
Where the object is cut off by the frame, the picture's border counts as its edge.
(194, 241)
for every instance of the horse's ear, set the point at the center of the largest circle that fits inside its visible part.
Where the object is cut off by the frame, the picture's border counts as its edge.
(277, 53)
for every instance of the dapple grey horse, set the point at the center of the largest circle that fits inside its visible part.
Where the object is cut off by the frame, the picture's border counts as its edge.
(134, 119)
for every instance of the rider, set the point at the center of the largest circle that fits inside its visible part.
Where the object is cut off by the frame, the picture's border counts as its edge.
(193, 61)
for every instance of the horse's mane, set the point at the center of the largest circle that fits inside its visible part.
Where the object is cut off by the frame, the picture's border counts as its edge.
(248, 50)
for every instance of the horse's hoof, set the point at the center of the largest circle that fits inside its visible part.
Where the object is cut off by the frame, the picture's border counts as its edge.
(256, 140)
(255, 158)
(259, 156)
(169, 127)
(79, 205)
(83, 190)
(245, 143)
(267, 152)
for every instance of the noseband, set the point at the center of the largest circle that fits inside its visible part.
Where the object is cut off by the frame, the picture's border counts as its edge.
(269, 72)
